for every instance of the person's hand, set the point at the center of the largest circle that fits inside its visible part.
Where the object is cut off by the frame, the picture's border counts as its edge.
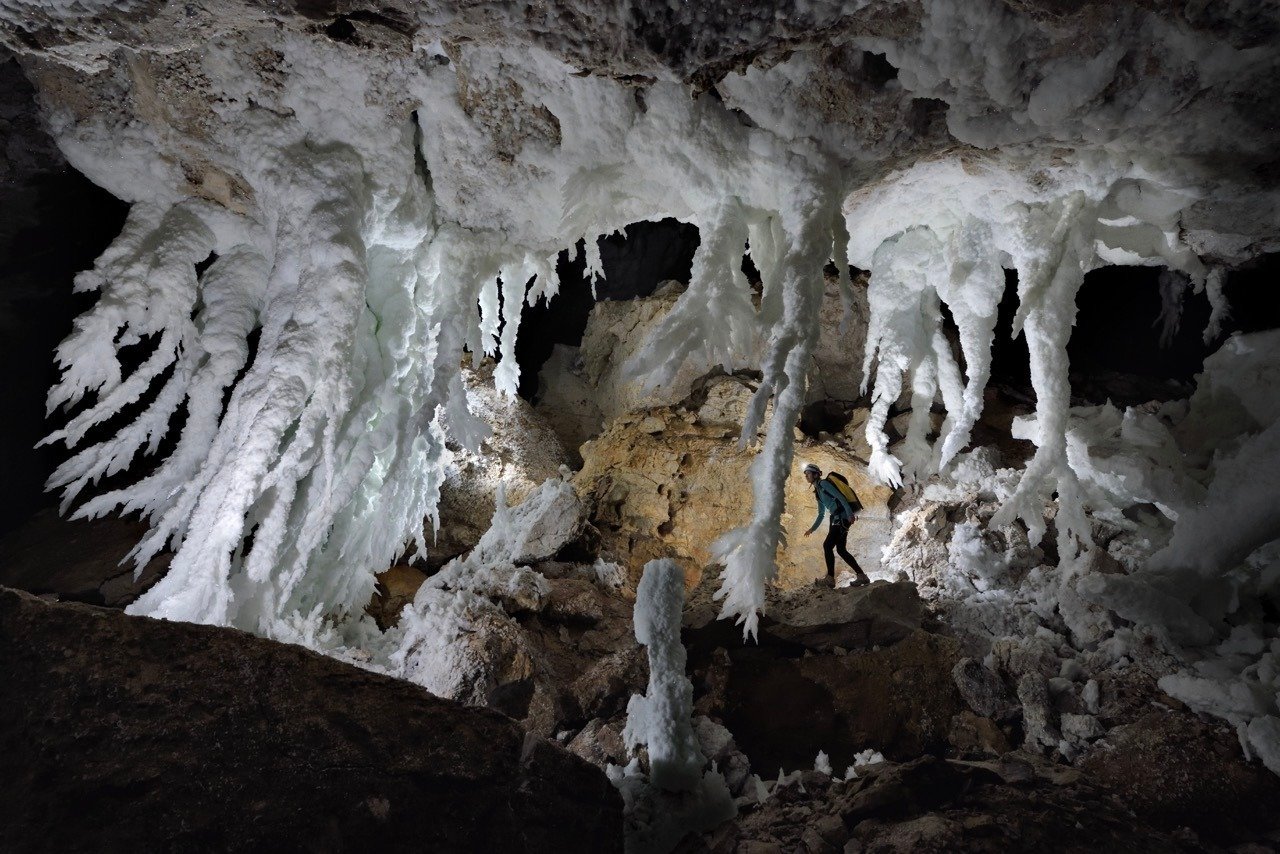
(807, 533)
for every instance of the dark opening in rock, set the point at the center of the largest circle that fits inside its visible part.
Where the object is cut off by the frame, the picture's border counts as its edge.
(635, 263)
(877, 69)
(824, 416)
(341, 30)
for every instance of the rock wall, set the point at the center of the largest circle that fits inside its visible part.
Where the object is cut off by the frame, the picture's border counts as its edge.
(666, 482)
(125, 733)
(584, 389)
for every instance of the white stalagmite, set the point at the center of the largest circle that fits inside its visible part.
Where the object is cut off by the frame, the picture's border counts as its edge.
(679, 795)
(661, 718)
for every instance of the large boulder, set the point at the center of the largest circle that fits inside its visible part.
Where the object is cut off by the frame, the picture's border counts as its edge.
(898, 700)
(880, 614)
(841, 671)
(1171, 769)
(125, 733)
(1018, 803)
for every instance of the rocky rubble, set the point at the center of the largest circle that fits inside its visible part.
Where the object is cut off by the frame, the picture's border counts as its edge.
(520, 453)
(547, 642)
(1014, 803)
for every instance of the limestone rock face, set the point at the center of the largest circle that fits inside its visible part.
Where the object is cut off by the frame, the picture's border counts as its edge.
(587, 389)
(668, 481)
(78, 560)
(520, 454)
(616, 331)
(170, 736)
(837, 359)
(567, 400)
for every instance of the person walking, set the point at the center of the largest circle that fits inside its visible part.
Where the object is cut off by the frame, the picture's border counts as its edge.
(831, 498)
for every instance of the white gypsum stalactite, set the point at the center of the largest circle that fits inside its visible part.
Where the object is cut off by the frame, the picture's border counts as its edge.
(972, 289)
(279, 424)
(1173, 288)
(1219, 307)
(330, 450)
(1048, 283)
(749, 553)
(148, 285)
(902, 340)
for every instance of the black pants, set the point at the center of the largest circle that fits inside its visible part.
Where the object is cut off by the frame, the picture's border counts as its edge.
(837, 536)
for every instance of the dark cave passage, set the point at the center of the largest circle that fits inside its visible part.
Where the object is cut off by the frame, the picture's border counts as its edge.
(635, 263)
(65, 223)
(1116, 352)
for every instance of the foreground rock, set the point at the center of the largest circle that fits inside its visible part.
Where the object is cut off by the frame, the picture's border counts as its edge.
(126, 733)
(850, 670)
(1172, 768)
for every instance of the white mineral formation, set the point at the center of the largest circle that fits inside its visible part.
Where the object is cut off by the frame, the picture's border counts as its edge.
(375, 204)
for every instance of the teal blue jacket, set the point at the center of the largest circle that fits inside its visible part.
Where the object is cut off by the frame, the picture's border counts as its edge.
(829, 498)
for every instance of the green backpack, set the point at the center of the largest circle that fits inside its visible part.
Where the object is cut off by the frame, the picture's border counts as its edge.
(841, 483)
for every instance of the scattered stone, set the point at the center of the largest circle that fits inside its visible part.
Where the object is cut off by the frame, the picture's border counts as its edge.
(972, 735)
(1037, 714)
(983, 690)
(1080, 729)
(600, 743)
(1016, 656)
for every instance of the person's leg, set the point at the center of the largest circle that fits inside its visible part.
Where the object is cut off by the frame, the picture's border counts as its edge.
(841, 547)
(828, 552)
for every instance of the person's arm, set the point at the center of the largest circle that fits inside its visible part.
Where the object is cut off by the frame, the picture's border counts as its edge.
(822, 511)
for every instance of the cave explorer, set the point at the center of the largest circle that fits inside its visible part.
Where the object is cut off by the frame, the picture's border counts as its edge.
(830, 497)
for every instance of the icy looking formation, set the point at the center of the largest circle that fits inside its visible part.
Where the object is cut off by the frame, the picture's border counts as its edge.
(362, 184)
(660, 719)
(678, 794)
